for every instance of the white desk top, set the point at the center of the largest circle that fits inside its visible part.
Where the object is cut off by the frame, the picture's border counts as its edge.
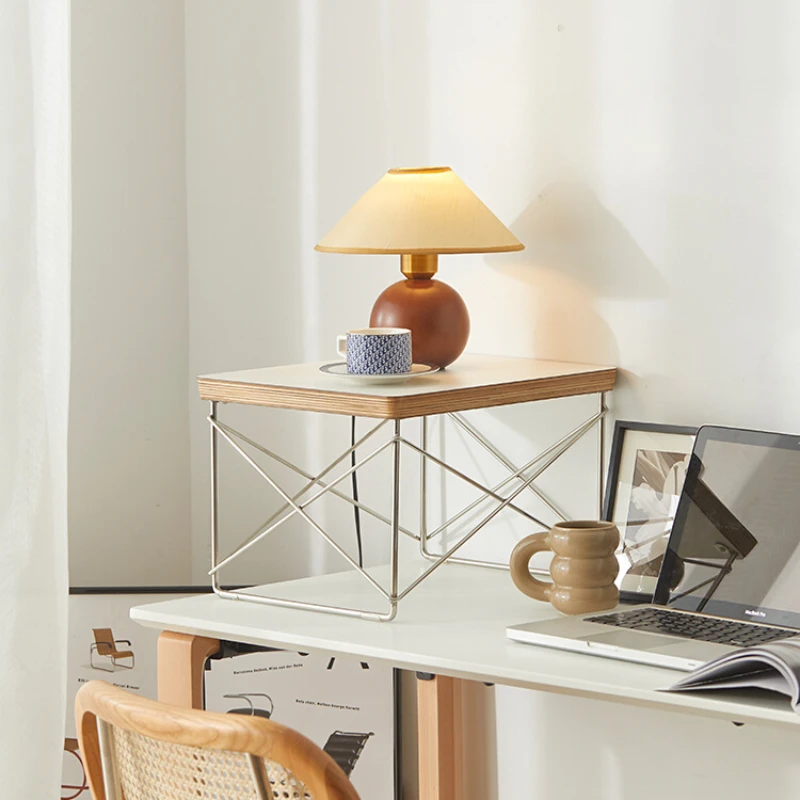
(452, 624)
(473, 381)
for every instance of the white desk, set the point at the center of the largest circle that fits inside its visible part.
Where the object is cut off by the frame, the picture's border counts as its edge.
(453, 625)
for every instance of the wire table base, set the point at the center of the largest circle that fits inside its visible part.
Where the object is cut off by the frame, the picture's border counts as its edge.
(297, 504)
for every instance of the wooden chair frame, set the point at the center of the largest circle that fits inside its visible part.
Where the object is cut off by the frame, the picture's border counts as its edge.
(100, 706)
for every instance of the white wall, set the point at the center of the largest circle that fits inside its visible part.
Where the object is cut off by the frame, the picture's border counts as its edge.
(265, 172)
(645, 152)
(129, 436)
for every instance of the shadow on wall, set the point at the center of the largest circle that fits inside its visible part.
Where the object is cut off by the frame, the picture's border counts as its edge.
(576, 252)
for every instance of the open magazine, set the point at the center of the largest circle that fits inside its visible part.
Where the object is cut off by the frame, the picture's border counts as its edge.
(774, 666)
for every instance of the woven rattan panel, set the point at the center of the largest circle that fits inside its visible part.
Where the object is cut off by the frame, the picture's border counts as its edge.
(153, 770)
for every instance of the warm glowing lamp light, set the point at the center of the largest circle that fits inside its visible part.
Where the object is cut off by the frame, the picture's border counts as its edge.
(418, 214)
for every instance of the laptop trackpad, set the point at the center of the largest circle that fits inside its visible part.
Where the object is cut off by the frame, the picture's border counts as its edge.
(633, 640)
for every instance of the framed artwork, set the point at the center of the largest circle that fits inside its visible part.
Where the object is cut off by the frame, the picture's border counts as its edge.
(645, 478)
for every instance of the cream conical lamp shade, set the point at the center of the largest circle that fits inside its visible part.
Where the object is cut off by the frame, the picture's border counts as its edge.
(421, 211)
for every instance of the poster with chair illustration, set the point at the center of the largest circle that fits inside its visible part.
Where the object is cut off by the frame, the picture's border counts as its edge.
(344, 705)
(104, 644)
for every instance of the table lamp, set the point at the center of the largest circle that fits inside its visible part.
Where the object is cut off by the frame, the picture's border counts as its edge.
(419, 213)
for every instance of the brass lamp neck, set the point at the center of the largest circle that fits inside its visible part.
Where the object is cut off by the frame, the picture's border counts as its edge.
(419, 266)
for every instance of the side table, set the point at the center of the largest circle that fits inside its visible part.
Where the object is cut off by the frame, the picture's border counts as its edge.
(473, 382)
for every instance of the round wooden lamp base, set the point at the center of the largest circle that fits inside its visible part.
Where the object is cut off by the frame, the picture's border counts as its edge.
(433, 311)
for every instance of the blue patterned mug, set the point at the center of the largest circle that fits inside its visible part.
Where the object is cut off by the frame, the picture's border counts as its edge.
(376, 351)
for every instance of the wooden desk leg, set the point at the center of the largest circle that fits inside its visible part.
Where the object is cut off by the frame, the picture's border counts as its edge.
(181, 661)
(440, 739)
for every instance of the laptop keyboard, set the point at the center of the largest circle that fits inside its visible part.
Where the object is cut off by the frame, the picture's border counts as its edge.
(694, 626)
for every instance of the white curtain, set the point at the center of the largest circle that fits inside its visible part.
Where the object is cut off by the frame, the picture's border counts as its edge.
(34, 383)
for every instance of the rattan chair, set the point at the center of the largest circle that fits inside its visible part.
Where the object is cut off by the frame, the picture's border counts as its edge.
(137, 749)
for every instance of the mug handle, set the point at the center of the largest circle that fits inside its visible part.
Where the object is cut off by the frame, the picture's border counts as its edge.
(341, 345)
(520, 573)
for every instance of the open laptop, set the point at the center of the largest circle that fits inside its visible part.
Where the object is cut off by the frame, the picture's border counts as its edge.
(730, 574)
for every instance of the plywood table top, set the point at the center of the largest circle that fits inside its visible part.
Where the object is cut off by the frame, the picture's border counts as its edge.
(474, 381)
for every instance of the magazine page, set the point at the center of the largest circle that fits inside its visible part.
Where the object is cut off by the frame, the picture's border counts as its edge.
(759, 678)
(775, 667)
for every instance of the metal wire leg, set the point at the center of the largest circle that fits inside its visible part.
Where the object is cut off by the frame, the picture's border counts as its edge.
(394, 566)
(565, 443)
(573, 435)
(212, 416)
(217, 430)
(296, 508)
(601, 455)
(488, 518)
(423, 486)
(268, 526)
(490, 448)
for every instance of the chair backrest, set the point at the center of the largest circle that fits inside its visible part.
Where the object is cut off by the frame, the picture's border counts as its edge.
(104, 640)
(137, 749)
(345, 748)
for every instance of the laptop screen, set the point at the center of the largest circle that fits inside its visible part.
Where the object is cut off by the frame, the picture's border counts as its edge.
(735, 544)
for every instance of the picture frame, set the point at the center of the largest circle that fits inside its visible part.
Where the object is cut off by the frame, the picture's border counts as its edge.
(645, 478)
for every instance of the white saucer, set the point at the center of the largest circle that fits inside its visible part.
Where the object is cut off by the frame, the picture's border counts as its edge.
(339, 369)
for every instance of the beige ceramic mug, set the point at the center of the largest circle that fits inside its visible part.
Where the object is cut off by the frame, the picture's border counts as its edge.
(583, 568)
